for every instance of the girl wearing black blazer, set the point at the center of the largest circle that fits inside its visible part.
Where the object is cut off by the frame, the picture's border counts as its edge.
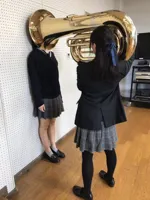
(99, 107)
(46, 92)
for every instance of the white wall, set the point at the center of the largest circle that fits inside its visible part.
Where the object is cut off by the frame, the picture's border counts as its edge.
(18, 129)
(6, 177)
(139, 12)
(118, 4)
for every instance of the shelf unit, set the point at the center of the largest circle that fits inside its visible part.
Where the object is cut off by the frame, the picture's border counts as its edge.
(139, 98)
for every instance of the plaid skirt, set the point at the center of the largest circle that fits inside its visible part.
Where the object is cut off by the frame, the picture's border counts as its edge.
(96, 141)
(53, 108)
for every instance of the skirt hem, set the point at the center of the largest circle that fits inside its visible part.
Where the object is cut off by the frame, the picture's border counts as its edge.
(96, 141)
(53, 108)
(51, 117)
(95, 151)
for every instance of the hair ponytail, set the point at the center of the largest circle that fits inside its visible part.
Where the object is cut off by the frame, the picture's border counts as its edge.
(105, 62)
(101, 70)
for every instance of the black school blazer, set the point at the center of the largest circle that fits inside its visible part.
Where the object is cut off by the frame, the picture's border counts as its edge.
(100, 100)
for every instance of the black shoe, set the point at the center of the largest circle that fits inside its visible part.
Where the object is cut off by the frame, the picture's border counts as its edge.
(109, 182)
(53, 158)
(79, 192)
(58, 153)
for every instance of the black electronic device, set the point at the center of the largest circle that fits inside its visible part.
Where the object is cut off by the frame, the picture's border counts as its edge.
(143, 46)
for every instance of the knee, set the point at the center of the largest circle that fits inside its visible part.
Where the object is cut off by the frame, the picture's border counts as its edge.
(52, 122)
(86, 156)
(44, 125)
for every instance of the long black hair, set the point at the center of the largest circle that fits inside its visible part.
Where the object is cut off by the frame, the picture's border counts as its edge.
(104, 67)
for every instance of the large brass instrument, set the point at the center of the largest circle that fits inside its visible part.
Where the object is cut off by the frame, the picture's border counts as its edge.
(44, 27)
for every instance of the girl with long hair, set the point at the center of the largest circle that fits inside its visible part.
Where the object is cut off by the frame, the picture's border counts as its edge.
(99, 108)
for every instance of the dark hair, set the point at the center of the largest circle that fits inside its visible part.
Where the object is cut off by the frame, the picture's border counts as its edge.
(35, 46)
(103, 68)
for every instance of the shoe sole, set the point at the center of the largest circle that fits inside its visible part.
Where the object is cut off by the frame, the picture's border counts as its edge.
(73, 190)
(105, 181)
(56, 154)
(45, 157)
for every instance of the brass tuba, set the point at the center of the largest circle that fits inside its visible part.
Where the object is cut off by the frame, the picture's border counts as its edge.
(44, 27)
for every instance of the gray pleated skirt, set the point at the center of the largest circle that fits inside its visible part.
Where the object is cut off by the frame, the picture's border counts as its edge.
(96, 141)
(53, 108)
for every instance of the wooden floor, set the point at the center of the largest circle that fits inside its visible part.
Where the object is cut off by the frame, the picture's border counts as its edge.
(46, 181)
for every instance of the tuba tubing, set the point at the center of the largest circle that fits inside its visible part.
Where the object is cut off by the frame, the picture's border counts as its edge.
(44, 27)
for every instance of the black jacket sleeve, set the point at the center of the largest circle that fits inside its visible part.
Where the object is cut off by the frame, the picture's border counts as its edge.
(34, 81)
(79, 85)
(125, 66)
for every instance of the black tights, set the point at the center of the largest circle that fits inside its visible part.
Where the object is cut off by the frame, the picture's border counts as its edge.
(87, 167)
(87, 170)
(111, 159)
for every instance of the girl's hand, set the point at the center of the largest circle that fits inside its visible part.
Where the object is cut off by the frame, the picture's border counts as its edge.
(42, 108)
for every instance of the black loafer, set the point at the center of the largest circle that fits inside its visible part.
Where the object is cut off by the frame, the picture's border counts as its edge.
(79, 192)
(59, 153)
(52, 159)
(109, 182)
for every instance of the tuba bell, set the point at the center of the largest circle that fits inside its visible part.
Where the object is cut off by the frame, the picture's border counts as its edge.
(45, 28)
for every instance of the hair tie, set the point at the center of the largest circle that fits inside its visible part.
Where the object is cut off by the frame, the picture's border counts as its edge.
(111, 47)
